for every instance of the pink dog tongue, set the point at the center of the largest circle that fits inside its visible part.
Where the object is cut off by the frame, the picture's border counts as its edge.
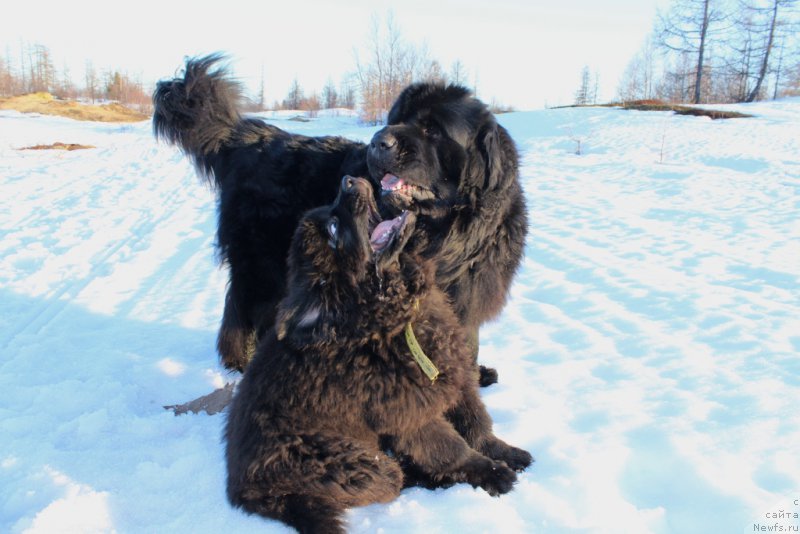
(390, 182)
(383, 232)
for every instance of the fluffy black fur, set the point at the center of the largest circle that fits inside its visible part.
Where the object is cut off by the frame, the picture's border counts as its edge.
(457, 165)
(444, 156)
(350, 403)
(265, 178)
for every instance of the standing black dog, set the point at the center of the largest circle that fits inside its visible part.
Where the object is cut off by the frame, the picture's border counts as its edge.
(442, 156)
(361, 307)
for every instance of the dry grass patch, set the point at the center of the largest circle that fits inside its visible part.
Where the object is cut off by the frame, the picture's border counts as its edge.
(57, 146)
(658, 105)
(46, 104)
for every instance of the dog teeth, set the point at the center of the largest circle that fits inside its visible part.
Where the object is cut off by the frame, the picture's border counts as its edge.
(398, 186)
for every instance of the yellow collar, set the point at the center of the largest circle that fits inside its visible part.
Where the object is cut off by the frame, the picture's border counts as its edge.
(419, 355)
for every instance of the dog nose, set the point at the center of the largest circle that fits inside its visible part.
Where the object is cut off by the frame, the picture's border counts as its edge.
(351, 183)
(383, 140)
(347, 183)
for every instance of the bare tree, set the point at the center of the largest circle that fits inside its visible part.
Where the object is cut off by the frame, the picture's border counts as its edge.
(727, 50)
(261, 87)
(311, 105)
(433, 72)
(778, 70)
(295, 97)
(330, 98)
(124, 89)
(42, 75)
(792, 81)
(22, 81)
(91, 82)
(763, 62)
(583, 95)
(638, 81)
(7, 80)
(347, 92)
(387, 66)
(380, 76)
(766, 22)
(738, 62)
(115, 87)
(458, 73)
(36, 72)
(64, 87)
(686, 28)
(674, 84)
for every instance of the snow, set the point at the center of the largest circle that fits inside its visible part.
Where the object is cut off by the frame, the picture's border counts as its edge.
(649, 356)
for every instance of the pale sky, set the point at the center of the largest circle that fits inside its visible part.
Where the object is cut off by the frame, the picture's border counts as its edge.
(525, 53)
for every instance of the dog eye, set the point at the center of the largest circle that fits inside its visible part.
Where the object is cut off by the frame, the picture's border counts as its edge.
(333, 227)
(430, 130)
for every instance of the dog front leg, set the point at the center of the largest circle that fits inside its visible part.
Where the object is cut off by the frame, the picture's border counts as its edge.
(236, 338)
(473, 423)
(488, 375)
(437, 452)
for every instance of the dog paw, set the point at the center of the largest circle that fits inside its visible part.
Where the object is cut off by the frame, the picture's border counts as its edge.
(500, 480)
(515, 458)
(488, 376)
(494, 477)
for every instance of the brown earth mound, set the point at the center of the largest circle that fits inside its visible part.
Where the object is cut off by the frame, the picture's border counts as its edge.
(660, 105)
(657, 105)
(47, 104)
(57, 146)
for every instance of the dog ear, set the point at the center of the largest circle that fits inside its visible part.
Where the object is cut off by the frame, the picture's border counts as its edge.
(493, 159)
(300, 325)
(301, 313)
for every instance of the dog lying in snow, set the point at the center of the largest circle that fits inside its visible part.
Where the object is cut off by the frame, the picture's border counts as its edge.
(366, 373)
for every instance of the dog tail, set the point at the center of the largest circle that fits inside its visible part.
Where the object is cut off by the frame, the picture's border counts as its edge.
(198, 111)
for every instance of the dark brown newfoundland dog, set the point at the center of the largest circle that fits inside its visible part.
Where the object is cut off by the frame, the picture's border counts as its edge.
(338, 395)
(442, 156)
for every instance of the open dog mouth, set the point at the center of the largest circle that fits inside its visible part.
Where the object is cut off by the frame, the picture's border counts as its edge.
(383, 234)
(393, 184)
(386, 232)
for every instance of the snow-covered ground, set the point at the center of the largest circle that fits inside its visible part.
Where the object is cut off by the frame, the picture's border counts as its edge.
(649, 356)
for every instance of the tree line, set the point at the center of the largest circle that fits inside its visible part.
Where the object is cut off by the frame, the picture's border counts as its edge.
(384, 65)
(718, 51)
(33, 70)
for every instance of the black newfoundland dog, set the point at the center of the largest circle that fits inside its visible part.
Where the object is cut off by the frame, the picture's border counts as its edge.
(373, 374)
(442, 156)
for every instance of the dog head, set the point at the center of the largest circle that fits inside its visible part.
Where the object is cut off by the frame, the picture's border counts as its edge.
(197, 110)
(441, 148)
(341, 258)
